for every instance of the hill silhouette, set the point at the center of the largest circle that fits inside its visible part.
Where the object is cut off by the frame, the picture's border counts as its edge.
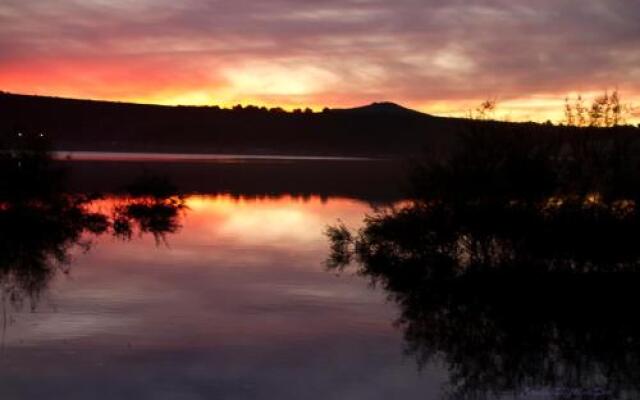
(384, 108)
(379, 129)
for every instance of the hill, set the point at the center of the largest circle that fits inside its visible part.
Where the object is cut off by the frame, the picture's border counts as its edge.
(379, 129)
(383, 108)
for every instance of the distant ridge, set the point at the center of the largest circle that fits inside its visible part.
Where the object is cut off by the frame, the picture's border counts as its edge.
(381, 129)
(383, 107)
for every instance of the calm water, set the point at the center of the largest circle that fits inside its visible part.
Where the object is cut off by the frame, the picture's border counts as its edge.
(237, 304)
(229, 296)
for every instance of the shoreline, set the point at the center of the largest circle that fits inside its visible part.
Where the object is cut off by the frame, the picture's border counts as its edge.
(213, 157)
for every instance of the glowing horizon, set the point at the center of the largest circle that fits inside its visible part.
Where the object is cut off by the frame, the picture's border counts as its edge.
(438, 57)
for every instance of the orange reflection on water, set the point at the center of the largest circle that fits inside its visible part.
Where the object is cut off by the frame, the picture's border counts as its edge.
(269, 220)
(227, 222)
(239, 270)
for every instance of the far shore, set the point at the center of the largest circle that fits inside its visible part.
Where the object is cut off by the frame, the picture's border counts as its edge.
(176, 157)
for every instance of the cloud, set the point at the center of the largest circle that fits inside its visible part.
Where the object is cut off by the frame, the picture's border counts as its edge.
(327, 51)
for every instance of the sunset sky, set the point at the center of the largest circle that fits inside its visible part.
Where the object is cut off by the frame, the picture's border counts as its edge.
(438, 56)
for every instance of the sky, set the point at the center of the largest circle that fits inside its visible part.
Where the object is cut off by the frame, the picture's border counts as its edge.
(439, 56)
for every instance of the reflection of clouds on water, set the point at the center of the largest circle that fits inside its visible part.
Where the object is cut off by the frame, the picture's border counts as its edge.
(54, 327)
(229, 283)
(276, 224)
(283, 220)
(224, 231)
(206, 317)
(210, 277)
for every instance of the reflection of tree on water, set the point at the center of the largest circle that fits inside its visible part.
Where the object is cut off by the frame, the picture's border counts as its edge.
(151, 206)
(513, 292)
(147, 215)
(40, 224)
(36, 237)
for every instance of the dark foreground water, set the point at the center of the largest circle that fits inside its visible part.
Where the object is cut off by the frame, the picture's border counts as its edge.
(224, 293)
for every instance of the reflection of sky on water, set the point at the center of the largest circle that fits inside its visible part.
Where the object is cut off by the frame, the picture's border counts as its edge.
(237, 304)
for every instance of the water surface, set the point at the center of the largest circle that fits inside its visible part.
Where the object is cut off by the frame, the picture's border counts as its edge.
(237, 304)
(199, 280)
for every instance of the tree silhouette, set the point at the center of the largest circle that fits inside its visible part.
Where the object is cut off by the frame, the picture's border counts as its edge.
(606, 111)
(516, 263)
(40, 223)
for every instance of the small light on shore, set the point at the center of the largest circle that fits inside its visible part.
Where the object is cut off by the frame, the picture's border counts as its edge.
(594, 198)
(19, 134)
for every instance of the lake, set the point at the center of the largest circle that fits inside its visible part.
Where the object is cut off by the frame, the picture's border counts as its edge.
(236, 304)
(224, 291)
